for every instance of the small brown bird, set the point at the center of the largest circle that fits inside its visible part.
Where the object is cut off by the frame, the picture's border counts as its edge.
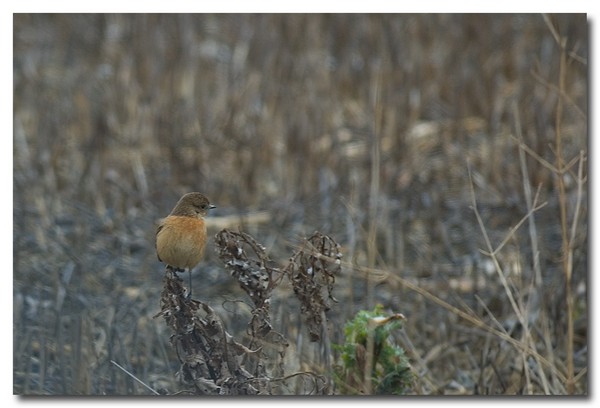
(181, 237)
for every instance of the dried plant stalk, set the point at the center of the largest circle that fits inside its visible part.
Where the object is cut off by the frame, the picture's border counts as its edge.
(312, 270)
(211, 361)
(248, 262)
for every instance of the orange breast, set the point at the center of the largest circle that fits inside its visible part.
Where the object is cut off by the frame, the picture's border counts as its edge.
(180, 241)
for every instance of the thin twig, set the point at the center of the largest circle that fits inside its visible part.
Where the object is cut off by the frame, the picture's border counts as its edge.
(528, 200)
(134, 377)
(492, 253)
(580, 181)
(551, 28)
(547, 84)
(514, 229)
(509, 293)
(543, 161)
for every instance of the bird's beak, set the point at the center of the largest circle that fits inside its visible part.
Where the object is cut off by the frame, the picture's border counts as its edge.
(210, 207)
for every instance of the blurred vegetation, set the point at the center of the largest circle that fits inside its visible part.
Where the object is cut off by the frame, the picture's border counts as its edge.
(378, 130)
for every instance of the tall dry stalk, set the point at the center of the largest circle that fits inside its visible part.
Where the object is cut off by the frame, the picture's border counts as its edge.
(373, 211)
(561, 168)
(567, 254)
(566, 251)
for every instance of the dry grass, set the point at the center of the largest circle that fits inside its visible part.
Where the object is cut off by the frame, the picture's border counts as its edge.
(447, 154)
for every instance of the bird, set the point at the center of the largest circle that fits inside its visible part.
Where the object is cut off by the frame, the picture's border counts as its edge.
(181, 236)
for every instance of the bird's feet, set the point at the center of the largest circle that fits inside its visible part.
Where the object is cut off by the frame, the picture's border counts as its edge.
(173, 271)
